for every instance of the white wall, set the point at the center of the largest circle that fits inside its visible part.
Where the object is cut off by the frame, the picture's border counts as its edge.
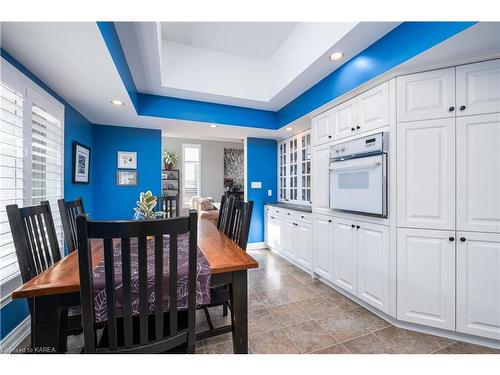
(212, 162)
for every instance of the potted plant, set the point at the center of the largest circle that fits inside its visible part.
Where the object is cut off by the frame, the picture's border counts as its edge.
(145, 205)
(169, 159)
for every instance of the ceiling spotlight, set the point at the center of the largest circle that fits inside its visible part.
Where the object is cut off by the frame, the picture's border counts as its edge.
(213, 125)
(336, 56)
(117, 102)
(289, 129)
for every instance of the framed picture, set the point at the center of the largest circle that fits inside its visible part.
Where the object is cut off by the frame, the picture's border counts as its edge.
(126, 178)
(81, 163)
(127, 160)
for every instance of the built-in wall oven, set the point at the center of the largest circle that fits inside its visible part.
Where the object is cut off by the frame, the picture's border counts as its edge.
(358, 175)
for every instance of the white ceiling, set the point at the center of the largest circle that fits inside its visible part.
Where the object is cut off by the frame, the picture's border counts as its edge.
(252, 40)
(193, 64)
(73, 60)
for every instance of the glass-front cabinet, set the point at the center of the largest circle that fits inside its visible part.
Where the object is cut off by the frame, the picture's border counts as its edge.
(294, 169)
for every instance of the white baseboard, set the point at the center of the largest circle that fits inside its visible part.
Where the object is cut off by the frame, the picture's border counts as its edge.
(256, 246)
(16, 336)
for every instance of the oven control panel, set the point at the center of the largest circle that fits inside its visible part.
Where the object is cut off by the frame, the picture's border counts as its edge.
(376, 143)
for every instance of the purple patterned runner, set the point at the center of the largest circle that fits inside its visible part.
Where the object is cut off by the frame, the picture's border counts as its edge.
(202, 278)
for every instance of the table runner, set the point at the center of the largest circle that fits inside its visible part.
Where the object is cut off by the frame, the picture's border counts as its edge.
(202, 278)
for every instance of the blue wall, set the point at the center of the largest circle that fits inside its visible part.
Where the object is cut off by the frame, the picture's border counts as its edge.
(76, 128)
(112, 202)
(262, 161)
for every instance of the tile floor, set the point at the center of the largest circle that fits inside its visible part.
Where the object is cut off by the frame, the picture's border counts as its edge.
(289, 312)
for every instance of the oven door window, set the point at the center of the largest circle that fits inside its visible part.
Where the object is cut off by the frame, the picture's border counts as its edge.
(358, 185)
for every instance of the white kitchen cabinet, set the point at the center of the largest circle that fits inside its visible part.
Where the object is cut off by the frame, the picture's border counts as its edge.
(373, 265)
(345, 255)
(344, 119)
(426, 174)
(274, 233)
(321, 179)
(322, 249)
(426, 277)
(426, 95)
(304, 244)
(478, 284)
(478, 88)
(321, 128)
(289, 244)
(478, 173)
(373, 108)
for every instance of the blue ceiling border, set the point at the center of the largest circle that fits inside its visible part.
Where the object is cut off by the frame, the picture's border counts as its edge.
(402, 43)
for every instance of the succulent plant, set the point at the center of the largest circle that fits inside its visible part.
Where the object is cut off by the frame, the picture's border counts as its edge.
(145, 205)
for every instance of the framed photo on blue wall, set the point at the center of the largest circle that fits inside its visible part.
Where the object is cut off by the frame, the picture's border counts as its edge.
(81, 163)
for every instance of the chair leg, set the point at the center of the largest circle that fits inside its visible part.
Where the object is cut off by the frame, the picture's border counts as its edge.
(63, 325)
(224, 309)
(207, 316)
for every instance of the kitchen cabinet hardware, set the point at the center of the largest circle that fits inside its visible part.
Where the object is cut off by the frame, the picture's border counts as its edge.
(463, 239)
(452, 239)
(451, 109)
(462, 108)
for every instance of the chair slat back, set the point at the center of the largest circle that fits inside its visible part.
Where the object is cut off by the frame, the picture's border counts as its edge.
(35, 238)
(239, 223)
(169, 205)
(145, 330)
(225, 214)
(69, 210)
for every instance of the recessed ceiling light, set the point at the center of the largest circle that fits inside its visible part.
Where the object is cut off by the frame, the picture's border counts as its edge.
(289, 129)
(117, 102)
(336, 56)
(213, 125)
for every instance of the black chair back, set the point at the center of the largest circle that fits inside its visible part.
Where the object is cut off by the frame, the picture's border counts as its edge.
(145, 332)
(35, 238)
(69, 210)
(226, 208)
(239, 224)
(169, 205)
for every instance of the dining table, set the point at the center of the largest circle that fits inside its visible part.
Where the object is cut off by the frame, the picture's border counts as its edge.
(59, 287)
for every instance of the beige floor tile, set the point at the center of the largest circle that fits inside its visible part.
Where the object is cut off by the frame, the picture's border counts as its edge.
(309, 336)
(334, 349)
(299, 293)
(370, 344)
(226, 337)
(371, 321)
(466, 348)
(342, 327)
(261, 321)
(289, 314)
(273, 298)
(412, 341)
(273, 342)
(318, 308)
(223, 348)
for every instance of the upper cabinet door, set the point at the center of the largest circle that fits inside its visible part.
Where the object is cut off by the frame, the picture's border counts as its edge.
(321, 180)
(344, 118)
(373, 265)
(478, 284)
(321, 128)
(478, 88)
(344, 255)
(478, 173)
(427, 95)
(373, 108)
(426, 174)
(426, 277)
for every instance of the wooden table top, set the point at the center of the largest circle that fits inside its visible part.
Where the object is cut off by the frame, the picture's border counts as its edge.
(222, 254)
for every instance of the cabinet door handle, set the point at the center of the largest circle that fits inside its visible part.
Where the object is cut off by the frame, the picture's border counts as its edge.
(301, 216)
(463, 239)
(329, 221)
(462, 108)
(352, 226)
(451, 109)
(353, 129)
(288, 213)
(452, 239)
(272, 217)
(357, 227)
(329, 136)
(358, 127)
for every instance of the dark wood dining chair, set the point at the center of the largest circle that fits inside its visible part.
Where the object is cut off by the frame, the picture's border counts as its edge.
(150, 329)
(226, 207)
(69, 210)
(169, 205)
(37, 249)
(237, 229)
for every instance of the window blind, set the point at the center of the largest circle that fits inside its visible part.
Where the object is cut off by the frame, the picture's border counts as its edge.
(31, 160)
(191, 175)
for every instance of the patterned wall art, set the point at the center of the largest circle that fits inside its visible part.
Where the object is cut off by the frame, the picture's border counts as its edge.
(233, 169)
